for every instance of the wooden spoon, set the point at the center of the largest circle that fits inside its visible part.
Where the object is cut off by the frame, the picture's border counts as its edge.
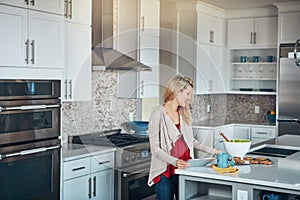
(222, 134)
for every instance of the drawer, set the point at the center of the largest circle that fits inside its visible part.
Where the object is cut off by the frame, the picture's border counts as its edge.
(76, 168)
(263, 133)
(102, 162)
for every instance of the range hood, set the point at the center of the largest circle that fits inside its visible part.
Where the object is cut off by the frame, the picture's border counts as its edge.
(104, 56)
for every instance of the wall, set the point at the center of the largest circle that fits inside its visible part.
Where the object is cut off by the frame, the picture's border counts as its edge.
(229, 108)
(104, 112)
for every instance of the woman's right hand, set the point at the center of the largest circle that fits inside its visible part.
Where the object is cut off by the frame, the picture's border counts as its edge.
(181, 164)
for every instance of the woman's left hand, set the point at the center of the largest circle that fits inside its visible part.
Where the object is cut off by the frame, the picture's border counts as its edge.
(181, 164)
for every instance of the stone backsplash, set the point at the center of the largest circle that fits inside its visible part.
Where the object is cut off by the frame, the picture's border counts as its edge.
(106, 111)
(231, 108)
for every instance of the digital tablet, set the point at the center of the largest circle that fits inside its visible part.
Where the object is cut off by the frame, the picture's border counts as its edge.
(200, 162)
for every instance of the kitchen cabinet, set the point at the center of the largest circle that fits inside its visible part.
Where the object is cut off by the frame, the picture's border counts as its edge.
(262, 133)
(53, 6)
(78, 11)
(288, 27)
(210, 50)
(210, 70)
(77, 74)
(252, 32)
(205, 136)
(31, 38)
(91, 177)
(149, 47)
(252, 77)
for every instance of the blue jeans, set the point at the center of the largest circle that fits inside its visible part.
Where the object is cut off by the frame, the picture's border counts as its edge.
(166, 188)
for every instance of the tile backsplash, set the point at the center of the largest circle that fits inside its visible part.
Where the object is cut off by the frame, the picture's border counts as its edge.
(105, 111)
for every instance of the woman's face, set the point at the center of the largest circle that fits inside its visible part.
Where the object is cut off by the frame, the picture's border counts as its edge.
(184, 97)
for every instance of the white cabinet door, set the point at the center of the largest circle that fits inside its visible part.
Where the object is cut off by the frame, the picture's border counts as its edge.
(209, 73)
(149, 17)
(266, 31)
(210, 29)
(252, 32)
(53, 6)
(242, 132)
(103, 183)
(149, 55)
(289, 27)
(46, 35)
(77, 72)
(205, 136)
(14, 34)
(239, 32)
(77, 188)
(78, 11)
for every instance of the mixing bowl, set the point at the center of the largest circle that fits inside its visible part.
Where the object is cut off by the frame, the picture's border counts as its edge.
(237, 147)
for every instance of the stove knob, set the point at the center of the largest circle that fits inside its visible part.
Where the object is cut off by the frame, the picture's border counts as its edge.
(127, 159)
(133, 157)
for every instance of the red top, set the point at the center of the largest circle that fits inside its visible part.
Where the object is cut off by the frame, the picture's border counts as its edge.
(181, 151)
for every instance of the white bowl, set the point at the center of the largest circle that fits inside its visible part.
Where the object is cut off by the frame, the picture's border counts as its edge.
(237, 147)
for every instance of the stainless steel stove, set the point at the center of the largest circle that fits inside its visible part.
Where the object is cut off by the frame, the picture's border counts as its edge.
(132, 161)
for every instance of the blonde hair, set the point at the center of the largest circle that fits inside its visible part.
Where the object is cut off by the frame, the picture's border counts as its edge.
(175, 84)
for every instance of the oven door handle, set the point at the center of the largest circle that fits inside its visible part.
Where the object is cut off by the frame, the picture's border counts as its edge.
(28, 152)
(29, 107)
(125, 175)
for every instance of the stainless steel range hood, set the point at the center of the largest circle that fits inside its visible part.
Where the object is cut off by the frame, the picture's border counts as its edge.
(104, 57)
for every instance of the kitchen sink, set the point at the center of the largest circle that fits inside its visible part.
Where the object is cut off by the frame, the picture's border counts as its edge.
(274, 150)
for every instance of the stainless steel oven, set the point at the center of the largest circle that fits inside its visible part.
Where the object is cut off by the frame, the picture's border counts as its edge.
(133, 183)
(30, 139)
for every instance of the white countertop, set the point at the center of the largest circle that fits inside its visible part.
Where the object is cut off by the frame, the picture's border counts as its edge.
(77, 151)
(264, 175)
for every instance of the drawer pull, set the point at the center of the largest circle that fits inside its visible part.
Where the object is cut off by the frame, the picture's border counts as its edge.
(79, 168)
(101, 163)
(262, 133)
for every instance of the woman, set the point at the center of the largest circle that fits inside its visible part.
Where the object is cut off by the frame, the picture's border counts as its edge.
(171, 137)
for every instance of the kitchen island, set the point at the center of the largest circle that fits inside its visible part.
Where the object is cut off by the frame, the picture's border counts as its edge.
(251, 182)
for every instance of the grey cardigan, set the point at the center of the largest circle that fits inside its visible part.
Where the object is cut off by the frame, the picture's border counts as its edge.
(162, 136)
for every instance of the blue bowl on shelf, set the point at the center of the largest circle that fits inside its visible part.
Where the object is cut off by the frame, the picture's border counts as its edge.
(139, 127)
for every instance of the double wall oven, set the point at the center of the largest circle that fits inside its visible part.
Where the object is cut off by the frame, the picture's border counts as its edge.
(30, 139)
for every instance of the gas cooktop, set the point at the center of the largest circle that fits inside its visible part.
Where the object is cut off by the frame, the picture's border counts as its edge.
(110, 138)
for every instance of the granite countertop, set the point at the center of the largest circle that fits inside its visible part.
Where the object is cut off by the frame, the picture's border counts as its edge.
(264, 175)
(77, 151)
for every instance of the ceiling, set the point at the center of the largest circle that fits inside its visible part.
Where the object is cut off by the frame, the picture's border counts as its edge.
(238, 4)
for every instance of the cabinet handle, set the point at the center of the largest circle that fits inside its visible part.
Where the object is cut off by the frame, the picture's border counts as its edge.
(71, 8)
(251, 36)
(254, 37)
(211, 36)
(32, 51)
(142, 88)
(66, 8)
(261, 133)
(70, 87)
(27, 51)
(90, 188)
(78, 168)
(66, 89)
(32, 2)
(143, 23)
(102, 163)
(26, 2)
(95, 186)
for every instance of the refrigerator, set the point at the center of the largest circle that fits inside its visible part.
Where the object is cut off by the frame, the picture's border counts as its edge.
(288, 111)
